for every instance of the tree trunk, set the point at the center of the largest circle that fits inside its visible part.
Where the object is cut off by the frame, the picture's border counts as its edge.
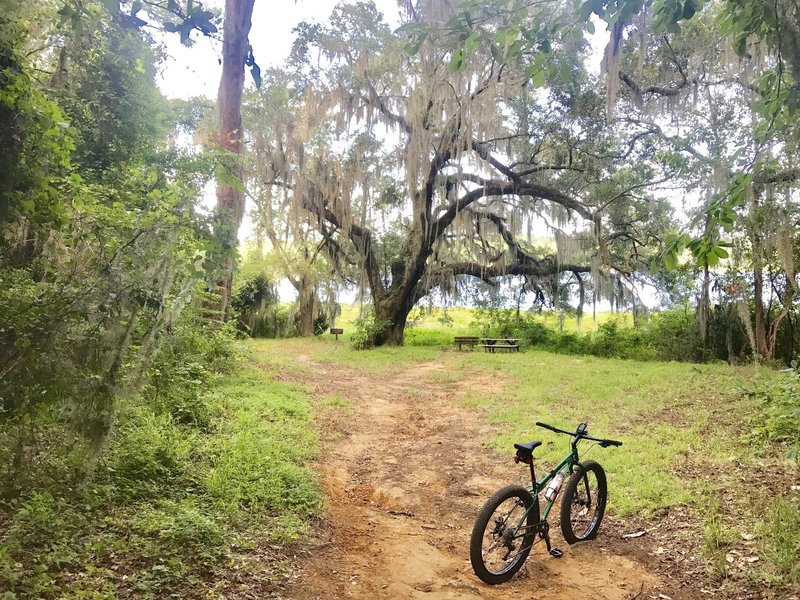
(307, 310)
(391, 312)
(230, 190)
(704, 309)
(758, 298)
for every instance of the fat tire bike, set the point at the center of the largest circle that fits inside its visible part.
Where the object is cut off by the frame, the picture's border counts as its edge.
(510, 522)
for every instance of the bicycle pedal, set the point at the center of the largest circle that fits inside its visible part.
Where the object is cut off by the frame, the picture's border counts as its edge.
(556, 553)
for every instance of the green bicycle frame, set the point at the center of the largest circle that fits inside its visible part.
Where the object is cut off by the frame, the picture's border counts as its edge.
(569, 460)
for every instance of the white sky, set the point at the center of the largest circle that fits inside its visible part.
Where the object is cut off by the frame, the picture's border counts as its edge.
(195, 71)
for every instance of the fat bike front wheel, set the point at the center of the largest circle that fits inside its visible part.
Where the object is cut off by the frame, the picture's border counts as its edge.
(583, 502)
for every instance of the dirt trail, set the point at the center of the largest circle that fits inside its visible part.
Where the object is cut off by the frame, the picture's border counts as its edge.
(403, 484)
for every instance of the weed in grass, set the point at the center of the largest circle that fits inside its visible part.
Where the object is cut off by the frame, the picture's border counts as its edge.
(150, 454)
(180, 531)
(779, 541)
(258, 460)
(716, 539)
(288, 529)
(337, 401)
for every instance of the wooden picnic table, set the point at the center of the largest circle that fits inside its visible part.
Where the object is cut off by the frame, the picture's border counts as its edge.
(494, 344)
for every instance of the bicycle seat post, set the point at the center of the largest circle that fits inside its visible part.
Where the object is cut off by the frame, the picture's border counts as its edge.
(533, 475)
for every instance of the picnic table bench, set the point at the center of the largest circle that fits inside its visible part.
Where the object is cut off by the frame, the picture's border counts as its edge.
(465, 340)
(495, 344)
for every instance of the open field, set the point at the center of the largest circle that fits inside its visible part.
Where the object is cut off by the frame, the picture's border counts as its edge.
(461, 320)
(420, 436)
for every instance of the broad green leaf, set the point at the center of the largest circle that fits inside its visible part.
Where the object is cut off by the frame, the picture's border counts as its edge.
(415, 43)
(720, 252)
(458, 61)
(670, 261)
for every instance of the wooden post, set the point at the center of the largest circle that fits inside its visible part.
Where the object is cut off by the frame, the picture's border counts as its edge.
(337, 332)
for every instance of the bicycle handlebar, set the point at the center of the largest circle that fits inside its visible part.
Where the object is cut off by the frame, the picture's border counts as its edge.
(580, 434)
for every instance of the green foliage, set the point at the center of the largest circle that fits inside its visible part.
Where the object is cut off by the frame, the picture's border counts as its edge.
(366, 330)
(151, 454)
(675, 335)
(779, 537)
(668, 335)
(779, 418)
(258, 459)
(172, 505)
(418, 336)
(35, 137)
(321, 324)
(257, 307)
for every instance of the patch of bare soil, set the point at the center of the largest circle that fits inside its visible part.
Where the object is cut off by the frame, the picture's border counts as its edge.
(404, 482)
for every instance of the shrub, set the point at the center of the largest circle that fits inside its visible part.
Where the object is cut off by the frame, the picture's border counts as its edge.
(149, 455)
(674, 335)
(613, 341)
(366, 329)
(780, 420)
(321, 324)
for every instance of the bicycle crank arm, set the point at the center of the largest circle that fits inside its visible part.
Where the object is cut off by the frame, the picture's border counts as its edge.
(544, 533)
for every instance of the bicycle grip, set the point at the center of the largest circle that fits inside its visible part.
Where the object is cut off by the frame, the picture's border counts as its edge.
(607, 443)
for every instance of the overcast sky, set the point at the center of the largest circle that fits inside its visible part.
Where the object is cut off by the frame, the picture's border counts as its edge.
(195, 71)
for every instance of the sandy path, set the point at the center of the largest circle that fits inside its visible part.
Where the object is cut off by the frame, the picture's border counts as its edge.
(404, 482)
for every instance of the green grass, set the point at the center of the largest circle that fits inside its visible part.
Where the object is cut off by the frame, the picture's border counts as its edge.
(687, 442)
(461, 321)
(175, 510)
(671, 417)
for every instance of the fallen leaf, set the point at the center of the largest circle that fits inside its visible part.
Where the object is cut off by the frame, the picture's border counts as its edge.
(635, 534)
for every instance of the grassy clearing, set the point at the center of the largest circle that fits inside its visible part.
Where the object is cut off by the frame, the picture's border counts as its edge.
(292, 356)
(686, 430)
(176, 509)
(672, 417)
(687, 435)
(461, 320)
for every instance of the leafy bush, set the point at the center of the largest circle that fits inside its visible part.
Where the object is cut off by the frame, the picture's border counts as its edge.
(321, 324)
(256, 304)
(675, 335)
(150, 454)
(170, 503)
(612, 341)
(366, 329)
(780, 420)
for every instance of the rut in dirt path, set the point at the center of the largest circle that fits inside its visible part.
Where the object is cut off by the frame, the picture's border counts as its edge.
(403, 485)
